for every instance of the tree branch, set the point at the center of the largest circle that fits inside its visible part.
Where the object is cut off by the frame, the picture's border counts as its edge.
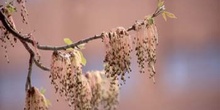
(9, 28)
(40, 65)
(28, 80)
(25, 39)
(53, 48)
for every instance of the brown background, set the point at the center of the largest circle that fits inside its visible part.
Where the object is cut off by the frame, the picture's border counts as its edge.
(188, 62)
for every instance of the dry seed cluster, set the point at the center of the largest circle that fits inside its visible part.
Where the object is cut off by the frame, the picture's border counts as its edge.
(118, 53)
(146, 42)
(35, 100)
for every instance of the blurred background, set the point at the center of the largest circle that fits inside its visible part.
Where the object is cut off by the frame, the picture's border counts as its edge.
(188, 62)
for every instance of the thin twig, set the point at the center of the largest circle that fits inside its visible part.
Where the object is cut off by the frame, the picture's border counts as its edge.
(40, 65)
(53, 48)
(28, 80)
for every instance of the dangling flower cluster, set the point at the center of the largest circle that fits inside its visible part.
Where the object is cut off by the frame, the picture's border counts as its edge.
(90, 91)
(95, 83)
(4, 33)
(104, 94)
(118, 53)
(24, 12)
(66, 76)
(140, 47)
(146, 42)
(4, 37)
(35, 100)
(110, 98)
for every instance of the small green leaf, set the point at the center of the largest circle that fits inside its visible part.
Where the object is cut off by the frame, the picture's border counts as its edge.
(164, 16)
(42, 90)
(170, 15)
(83, 59)
(10, 8)
(68, 42)
(150, 21)
(160, 3)
(78, 57)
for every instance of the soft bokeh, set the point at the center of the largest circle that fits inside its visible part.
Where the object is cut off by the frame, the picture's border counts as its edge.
(188, 63)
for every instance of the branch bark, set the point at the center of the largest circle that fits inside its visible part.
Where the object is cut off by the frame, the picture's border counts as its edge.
(28, 80)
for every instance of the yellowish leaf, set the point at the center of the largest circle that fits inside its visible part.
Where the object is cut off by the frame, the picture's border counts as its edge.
(42, 91)
(164, 16)
(160, 3)
(79, 58)
(170, 15)
(68, 42)
(83, 59)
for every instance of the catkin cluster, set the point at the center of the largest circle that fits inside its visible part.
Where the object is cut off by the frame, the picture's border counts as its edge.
(82, 91)
(35, 100)
(118, 53)
(5, 35)
(66, 76)
(24, 12)
(104, 94)
(146, 41)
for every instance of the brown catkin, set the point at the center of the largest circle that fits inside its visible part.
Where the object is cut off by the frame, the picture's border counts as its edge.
(105, 95)
(35, 100)
(24, 12)
(118, 53)
(67, 79)
(146, 41)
